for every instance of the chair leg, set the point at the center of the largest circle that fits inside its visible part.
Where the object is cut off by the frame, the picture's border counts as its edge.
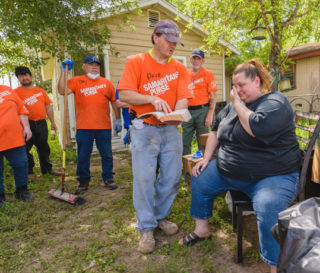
(239, 235)
(234, 217)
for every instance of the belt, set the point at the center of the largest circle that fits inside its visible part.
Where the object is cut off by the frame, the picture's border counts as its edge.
(195, 107)
(156, 125)
(36, 121)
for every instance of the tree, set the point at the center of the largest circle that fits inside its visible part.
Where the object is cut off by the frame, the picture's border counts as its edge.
(288, 23)
(53, 26)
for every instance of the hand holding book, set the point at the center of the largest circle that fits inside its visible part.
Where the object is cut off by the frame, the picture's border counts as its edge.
(175, 117)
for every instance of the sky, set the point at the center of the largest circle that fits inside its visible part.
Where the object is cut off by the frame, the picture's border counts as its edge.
(4, 80)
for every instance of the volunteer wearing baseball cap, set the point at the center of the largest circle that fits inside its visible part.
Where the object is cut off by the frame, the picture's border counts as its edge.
(154, 81)
(203, 103)
(92, 94)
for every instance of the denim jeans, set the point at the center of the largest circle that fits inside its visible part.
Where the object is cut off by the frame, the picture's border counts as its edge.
(150, 145)
(85, 140)
(269, 197)
(17, 158)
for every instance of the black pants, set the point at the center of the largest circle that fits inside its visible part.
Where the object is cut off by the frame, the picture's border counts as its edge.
(39, 138)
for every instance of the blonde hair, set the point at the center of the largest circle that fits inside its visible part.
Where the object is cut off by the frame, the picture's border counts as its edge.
(252, 69)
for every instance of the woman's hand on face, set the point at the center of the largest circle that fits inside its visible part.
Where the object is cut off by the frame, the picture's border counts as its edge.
(199, 167)
(234, 96)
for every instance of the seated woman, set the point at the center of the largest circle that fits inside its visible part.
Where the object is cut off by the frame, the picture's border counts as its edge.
(258, 155)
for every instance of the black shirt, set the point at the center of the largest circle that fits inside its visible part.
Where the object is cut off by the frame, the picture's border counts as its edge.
(273, 151)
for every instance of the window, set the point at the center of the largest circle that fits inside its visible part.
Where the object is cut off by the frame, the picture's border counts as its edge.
(153, 18)
(181, 59)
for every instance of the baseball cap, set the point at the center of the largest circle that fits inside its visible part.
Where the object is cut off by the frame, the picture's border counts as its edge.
(91, 59)
(197, 52)
(170, 30)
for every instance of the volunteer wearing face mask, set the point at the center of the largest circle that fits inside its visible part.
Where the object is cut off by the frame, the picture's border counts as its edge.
(92, 95)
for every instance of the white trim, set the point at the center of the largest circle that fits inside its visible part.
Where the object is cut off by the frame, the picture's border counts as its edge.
(107, 75)
(171, 8)
(182, 59)
(223, 77)
(106, 63)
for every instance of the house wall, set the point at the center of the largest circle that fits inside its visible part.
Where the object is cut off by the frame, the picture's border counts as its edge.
(124, 43)
(307, 77)
(128, 43)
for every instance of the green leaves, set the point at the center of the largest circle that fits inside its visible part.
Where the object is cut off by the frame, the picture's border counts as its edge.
(288, 22)
(53, 26)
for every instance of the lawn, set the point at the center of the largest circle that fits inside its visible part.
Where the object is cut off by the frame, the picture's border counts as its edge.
(48, 235)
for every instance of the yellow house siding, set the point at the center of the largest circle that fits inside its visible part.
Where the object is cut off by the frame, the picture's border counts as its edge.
(307, 82)
(47, 69)
(128, 43)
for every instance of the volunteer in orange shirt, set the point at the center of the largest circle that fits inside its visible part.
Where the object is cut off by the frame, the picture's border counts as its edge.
(38, 103)
(92, 94)
(202, 105)
(154, 81)
(14, 129)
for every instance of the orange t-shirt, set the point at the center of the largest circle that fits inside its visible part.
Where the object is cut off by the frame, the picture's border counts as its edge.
(92, 101)
(11, 130)
(202, 84)
(144, 75)
(35, 100)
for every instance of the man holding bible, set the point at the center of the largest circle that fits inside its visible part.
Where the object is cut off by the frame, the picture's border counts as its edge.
(154, 81)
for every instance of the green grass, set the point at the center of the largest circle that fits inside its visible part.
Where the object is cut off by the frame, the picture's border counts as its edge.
(48, 235)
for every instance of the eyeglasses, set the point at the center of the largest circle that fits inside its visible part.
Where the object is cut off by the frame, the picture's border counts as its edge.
(173, 31)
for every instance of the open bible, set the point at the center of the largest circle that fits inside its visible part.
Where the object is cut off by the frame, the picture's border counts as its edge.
(181, 115)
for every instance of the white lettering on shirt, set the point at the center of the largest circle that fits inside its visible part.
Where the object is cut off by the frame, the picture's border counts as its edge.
(90, 91)
(3, 94)
(159, 87)
(33, 99)
(193, 84)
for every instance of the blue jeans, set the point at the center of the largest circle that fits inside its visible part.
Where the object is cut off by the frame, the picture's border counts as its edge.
(17, 158)
(150, 145)
(85, 140)
(269, 197)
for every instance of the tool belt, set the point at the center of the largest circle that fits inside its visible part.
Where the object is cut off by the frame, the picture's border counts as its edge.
(196, 107)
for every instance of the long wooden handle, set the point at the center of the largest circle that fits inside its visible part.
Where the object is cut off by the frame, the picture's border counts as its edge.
(65, 116)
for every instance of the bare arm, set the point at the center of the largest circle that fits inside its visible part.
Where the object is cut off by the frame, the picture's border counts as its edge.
(121, 104)
(243, 112)
(211, 145)
(181, 104)
(212, 106)
(26, 127)
(134, 98)
(116, 109)
(50, 116)
(61, 84)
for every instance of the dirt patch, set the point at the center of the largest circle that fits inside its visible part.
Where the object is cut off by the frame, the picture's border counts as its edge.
(100, 236)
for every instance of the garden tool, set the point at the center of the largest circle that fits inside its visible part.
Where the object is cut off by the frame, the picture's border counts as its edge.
(61, 194)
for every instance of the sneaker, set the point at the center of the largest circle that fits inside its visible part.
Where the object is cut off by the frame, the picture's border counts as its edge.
(23, 194)
(2, 199)
(169, 228)
(147, 243)
(110, 184)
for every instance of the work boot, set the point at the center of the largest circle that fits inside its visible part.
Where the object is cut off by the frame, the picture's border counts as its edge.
(55, 173)
(110, 184)
(168, 227)
(2, 199)
(82, 188)
(147, 243)
(23, 194)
